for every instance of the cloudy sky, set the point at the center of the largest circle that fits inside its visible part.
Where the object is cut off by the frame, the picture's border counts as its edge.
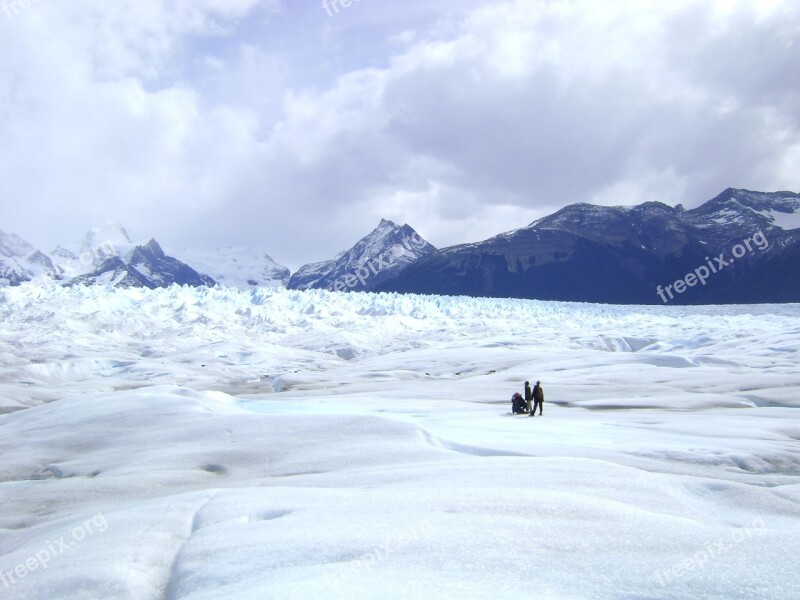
(287, 126)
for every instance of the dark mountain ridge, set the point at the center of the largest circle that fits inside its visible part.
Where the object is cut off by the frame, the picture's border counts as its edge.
(625, 255)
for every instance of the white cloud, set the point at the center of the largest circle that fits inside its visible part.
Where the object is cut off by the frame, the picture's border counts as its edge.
(89, 133)
(251, 122)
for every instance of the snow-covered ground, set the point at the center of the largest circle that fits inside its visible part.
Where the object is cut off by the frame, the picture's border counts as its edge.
(205, 444)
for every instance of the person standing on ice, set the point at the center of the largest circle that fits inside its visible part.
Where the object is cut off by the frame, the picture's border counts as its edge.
(538, 398)
(528, 396)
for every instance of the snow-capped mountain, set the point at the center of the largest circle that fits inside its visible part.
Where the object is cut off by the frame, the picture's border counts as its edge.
(234, 267)
(109, 255)
(106, 255)
(237, 267)
(378, 257)
(627, 254)
(736, 214)
(20, 261)
(98, 244)
(144, 266)
(13, 246)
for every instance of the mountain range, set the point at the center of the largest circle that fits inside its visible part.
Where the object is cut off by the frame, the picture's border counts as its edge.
(749, 243)
(107, 256)
(739, 247)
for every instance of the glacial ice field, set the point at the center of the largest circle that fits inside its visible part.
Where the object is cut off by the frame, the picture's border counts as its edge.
(210, 444)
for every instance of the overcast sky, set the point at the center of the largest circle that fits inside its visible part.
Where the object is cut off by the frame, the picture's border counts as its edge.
(290, 127)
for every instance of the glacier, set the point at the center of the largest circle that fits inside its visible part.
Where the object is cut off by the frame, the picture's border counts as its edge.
(204, 443)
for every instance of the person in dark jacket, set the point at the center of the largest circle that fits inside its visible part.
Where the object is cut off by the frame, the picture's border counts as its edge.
(538, 398)
(528, 396)
(517, 403)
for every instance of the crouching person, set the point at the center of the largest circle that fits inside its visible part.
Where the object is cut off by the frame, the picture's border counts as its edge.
(517, 403)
